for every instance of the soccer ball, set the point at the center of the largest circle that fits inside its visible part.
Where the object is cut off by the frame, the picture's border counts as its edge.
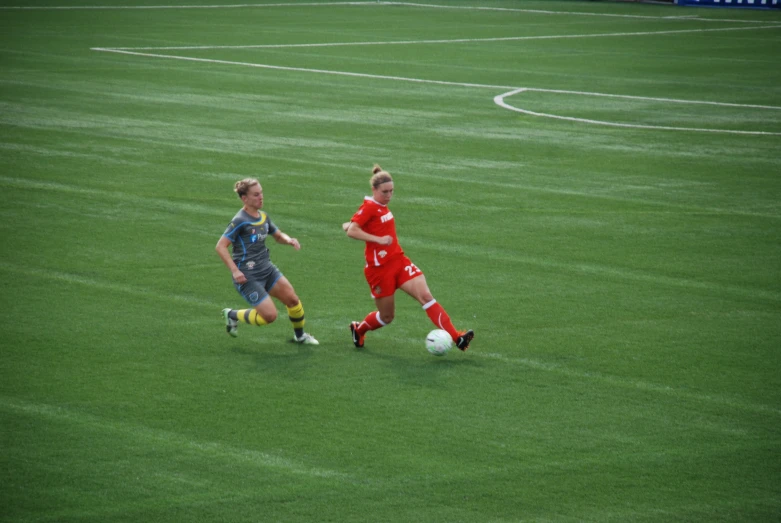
(438, 342)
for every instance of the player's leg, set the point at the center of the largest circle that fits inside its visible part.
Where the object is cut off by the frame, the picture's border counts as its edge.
(417, 287)
(261, 312)
(382, 284)
(283, 290)
(377, 319)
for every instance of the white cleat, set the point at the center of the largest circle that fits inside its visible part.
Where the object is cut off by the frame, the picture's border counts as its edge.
(230, 325)
(306, 339)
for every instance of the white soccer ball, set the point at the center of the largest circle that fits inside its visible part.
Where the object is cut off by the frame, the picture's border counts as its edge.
(438, 342)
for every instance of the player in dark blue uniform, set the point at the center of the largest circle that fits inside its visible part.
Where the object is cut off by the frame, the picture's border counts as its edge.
(254, 275)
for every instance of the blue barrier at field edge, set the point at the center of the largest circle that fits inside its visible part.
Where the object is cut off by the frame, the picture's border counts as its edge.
(732, 3)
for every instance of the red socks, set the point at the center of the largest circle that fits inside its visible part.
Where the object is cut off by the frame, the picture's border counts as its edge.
(434, 310)
(440, 318)
(370, 322)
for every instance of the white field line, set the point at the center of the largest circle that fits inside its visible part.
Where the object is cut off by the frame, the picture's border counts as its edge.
(299, 69)
(499, 100)
(442, 41)
(137, 51)
(649, 98)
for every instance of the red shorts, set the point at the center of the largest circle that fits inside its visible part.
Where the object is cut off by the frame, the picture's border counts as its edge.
(385, 279)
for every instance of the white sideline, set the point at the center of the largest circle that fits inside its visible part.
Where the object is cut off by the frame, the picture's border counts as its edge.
(298, 69)
(443, 41)
(499, 99)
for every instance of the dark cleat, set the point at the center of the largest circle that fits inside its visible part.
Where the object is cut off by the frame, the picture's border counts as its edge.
(357, 338)
(464, 339)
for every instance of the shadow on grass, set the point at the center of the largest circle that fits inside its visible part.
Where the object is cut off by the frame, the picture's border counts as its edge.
(286, 359)
(423, 371)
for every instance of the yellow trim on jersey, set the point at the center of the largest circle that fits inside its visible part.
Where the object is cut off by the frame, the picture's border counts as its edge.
(262, 219)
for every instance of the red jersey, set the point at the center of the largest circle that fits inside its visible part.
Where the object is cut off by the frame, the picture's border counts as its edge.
(377, 219)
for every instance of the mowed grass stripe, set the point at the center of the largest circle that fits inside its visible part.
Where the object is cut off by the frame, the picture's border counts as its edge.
(609, 272)
(593, 189)
(111, 286)
(161, 472)
(209, 450)
(453, 249)
(612, 381)
(617, 381)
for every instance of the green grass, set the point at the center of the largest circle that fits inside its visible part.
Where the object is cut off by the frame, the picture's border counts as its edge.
(624, 282)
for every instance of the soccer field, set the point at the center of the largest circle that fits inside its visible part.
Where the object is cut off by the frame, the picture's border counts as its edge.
(593, 187)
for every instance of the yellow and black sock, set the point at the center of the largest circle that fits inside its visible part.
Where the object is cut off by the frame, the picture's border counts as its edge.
(296, 315)
(250, 317)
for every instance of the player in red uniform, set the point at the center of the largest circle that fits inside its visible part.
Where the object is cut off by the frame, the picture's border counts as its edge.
(388, 268)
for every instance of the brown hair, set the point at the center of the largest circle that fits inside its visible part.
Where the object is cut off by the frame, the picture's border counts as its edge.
(379, 176)
(242, 186)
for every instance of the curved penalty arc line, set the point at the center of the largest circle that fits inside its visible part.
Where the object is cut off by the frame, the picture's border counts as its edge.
(500, 101)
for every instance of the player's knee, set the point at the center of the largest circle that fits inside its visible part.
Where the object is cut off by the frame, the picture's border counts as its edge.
(269, 316)
(292, 301)
(386, 318)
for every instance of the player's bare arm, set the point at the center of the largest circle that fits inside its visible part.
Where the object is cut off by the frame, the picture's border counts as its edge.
(284, 239)
(355, 232)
